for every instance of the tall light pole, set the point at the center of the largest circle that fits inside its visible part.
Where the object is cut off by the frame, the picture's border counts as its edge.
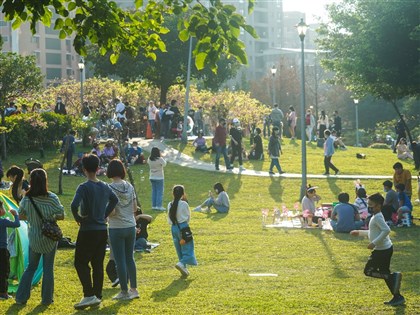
(356, 102)
(301, 28)
(273, 72)
(184, 137)
(81, 65)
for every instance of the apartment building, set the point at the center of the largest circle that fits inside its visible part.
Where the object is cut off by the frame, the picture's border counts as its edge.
(56, 58)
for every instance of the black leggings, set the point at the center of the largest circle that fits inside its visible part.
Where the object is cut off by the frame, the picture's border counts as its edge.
(377, 266)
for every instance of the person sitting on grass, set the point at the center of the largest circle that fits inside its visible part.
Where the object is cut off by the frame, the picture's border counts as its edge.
(405, 205)
(135, 154)
(200, 144)
(345, 216)
(308, 206)
(403, 152)
(142, 221)
(361, 203)
(108, 153)
(221, 203)
(378, 263)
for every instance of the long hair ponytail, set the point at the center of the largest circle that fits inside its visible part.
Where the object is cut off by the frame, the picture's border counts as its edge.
(178, 192)
(18, 172)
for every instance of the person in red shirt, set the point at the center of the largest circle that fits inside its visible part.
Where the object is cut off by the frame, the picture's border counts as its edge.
(219, 142)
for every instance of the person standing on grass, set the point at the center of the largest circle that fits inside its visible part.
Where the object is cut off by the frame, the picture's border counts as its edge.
(274, 150)
(156, 176)
(291, 122)
(221, 203)
(219, 142)
(96, 201)
(235, 134)
(179, 217)
(68, 148)
(40, 246)
(328, 153)
(379, 261)
(277, 119)
(122, 230)
(4, 252)
(19, 185)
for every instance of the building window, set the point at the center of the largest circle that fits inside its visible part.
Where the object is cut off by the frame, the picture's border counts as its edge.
(37, 55)
(68, 45)
(53, 73)
(70, 73)
(3, 23)
(53, 59)
(51, 30)
(53, 43)
(5, 38)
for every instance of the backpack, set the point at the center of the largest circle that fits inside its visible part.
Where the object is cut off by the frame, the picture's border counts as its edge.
(308, 120)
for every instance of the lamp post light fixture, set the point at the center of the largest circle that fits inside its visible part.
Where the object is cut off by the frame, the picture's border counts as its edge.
(356, 102)
(81, 66)
(273, 72)
(302, 28)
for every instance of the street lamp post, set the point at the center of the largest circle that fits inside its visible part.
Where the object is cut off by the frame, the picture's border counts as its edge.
(301, 28)
(356, 102)
(184, 137)
(273, 72)
(81, 65)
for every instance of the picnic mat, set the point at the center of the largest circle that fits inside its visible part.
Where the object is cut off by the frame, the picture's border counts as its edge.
(296, 224)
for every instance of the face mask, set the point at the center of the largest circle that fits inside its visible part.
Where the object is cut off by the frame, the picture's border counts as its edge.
(385, 190)
(217, 191)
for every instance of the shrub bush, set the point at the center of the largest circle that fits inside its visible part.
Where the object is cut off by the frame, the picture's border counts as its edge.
(33, 131)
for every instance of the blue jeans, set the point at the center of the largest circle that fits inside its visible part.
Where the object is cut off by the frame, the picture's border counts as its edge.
(152, 125)
(140, 244)
(275, 162)
(221, 150)
(357, 225)
(157, 192)
(25, 284)
(220, 208)
(122, 244)
(185, 252)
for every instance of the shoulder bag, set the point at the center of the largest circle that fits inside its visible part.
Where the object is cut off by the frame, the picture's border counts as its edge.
(186, 234)
(49, 228)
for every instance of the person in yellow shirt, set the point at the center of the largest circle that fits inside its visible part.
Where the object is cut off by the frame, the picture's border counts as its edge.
(402, 176)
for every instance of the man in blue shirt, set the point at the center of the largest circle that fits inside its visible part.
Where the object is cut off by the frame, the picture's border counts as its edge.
(328, 153)
(405, 204)
(345, 217)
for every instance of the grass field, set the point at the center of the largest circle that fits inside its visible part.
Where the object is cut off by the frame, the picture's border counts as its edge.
(319, 272)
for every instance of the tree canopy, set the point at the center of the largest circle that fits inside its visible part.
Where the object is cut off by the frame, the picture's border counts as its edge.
(216, 27)
(168, 70)
(374, 47)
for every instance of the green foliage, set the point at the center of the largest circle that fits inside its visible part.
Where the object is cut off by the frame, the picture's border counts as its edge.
(115, 30)
(168, 69)
(33, 130)
(373, 47)
(19, 76)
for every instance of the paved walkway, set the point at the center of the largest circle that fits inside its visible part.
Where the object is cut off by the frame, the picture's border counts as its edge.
(176, 157)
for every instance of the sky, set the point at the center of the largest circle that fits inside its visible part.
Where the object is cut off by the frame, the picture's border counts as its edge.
(310, 7)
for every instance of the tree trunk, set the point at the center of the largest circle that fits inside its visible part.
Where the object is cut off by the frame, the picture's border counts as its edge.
(3, 135)
(163, 92)
(414, 145)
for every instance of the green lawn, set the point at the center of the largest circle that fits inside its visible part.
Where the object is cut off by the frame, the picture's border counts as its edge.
(319, 272)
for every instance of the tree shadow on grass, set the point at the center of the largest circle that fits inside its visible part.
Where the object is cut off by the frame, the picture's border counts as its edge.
(337, 271)
(15, 308)
(276, 189)
(332, 182)
(171, 290)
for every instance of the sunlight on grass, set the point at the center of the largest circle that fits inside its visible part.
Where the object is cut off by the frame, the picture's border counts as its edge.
(319, 272)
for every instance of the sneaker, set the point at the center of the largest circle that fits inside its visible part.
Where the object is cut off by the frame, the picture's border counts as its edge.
(5, 296)
(271, 173)
(282, 172)
(397, 276)
(390, 301)
(229, 168)
(241, 168)
(197, 209)
(161, 209)
(87, 302)
(134, 294)
(397, 301)
(20, 302)
(123, 295)
(337, 173)
(115, 283)
(327, 174)
(182, 269)
(217, 169)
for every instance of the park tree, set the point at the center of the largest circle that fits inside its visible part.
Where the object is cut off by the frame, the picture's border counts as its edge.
(374, 48)
(168, 70)
(215, 26)
(19, 76)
